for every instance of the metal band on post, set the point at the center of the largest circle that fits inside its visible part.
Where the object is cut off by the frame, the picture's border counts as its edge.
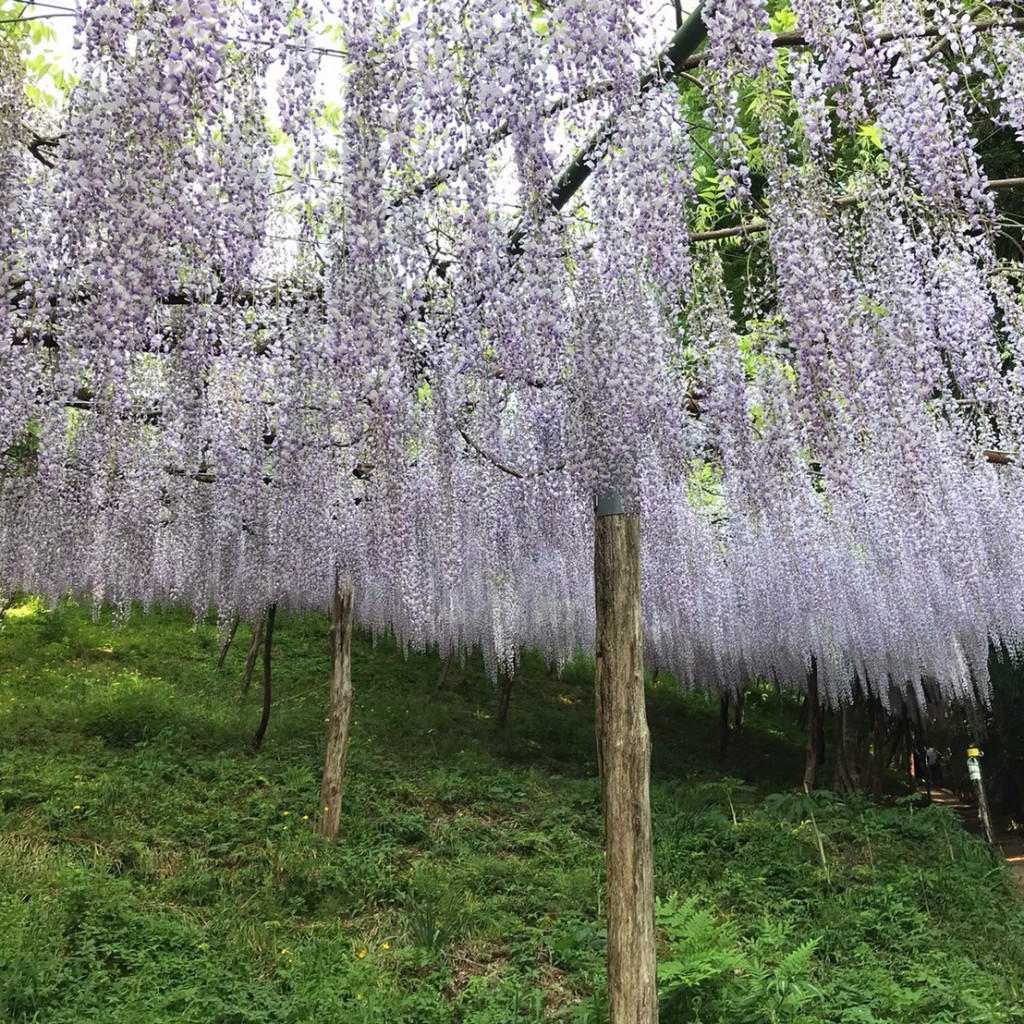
(974, 774)
(611, 503)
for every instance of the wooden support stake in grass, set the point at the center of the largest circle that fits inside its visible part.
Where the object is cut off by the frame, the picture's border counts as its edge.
(232, 629)
(739, 711)
(340, 715)
(813, 725)
(723, 726)
(245, 680)
(504, 697)
(268, 639)
(624, 757)
(445, 667)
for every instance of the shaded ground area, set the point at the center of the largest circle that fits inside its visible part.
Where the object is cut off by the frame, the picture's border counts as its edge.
(1009, 840)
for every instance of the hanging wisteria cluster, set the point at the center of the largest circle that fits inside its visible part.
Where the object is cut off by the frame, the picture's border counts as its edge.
(294, 298)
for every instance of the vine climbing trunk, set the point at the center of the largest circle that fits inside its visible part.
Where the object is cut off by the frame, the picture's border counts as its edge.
(340, 715)
(268, 639)
(624, 759)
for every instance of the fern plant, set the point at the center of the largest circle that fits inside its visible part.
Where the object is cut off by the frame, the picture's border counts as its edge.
(709, 972)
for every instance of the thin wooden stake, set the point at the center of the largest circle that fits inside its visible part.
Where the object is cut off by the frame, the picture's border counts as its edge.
(723, 725)
(812, 750)
(245, 679)
(232, 629)
(445, 667)
(504, 697)
(268, 639)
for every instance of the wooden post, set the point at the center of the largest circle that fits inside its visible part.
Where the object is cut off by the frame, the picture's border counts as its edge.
(723, 725)
(504, 697)
(340, 715)
(268, 639)
(232, 629)
(624, 757)
(974, 772)
(812, 750)
(445, 667)
(245, 680)
(738, 711)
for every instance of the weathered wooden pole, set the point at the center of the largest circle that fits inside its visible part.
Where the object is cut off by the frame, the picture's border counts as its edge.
(232, 629)
(255, 641)
(340, 715)
(624, 760)
(268, 640)
(723, 725)
(974, 773)
(504, 697)
(813, 725)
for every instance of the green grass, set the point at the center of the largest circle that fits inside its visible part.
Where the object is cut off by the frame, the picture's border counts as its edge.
(154, 868)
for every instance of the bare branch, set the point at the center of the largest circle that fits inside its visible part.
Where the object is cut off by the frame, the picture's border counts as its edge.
(38, 143)
(999, 458)
(519, 474)
(784, 40)
(754, 227)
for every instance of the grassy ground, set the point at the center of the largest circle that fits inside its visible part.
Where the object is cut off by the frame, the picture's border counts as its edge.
(154, 868)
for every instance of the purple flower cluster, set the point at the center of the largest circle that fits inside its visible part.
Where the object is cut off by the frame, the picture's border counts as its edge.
(739, 44)
(234, 360)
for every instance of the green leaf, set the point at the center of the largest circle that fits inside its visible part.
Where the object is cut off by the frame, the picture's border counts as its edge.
(872, 133)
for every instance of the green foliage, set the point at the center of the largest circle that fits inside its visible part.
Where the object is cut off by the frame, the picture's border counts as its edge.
(710, 970)
(431, 927)
(45, 81)
(153, 868)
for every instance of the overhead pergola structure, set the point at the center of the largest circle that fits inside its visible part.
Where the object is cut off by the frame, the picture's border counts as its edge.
(289, 307)
(417, 393)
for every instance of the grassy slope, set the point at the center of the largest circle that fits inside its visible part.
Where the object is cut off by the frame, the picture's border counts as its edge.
(153, 868)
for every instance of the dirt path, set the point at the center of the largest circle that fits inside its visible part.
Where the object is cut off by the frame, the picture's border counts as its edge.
(1011, 844)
